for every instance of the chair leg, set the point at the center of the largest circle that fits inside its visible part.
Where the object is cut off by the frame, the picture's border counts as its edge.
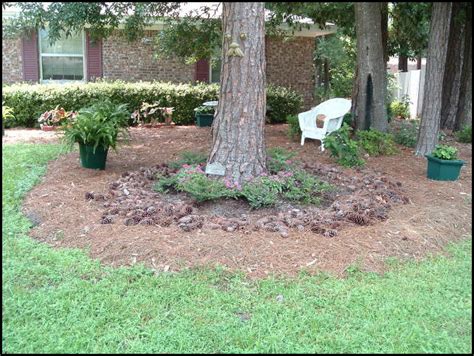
(302, 139)
(322, 145)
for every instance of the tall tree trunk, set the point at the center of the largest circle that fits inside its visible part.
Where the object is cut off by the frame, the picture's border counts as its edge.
(326, 77)
(371, 80)
(453, 69)
(435, 63)
(384, 11)
(464, 110)
(238, 129)
(402, 63)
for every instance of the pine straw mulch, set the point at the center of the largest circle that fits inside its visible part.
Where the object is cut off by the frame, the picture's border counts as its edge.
(388, 209)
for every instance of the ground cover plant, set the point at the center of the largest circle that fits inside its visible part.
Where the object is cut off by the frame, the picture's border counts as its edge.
(60, 301)
(465, 135)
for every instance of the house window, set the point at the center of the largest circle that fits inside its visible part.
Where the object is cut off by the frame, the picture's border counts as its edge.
(64, 60)
(215, 71)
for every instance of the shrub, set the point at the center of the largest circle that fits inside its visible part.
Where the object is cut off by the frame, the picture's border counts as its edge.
(30, 101)
(445, 152)
(304, 187)
(465, 135)
(343, 148)
(262, 191)
(401, 108)
(282, 102)
(407, 133)
(294, 130)
(377, 143)
(150, 113)
(279, 159)
(99, 125)
(189, 158)
(56, 117)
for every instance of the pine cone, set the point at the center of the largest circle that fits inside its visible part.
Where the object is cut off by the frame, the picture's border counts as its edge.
(330, 233)
(357, 218)
(89, 195)
(147, 221)
(107, 220)
(317, 229)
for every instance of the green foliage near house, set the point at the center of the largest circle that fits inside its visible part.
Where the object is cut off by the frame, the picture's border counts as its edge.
(294, 130)
(407, 133)
(30, 101)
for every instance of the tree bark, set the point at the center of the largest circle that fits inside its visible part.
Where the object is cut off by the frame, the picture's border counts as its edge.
(238, 129)
(418, 62)
(371, 80)
(453, 69)
(464, 110)
(403, 63)
(435, 63)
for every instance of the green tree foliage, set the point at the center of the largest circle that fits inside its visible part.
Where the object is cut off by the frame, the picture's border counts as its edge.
(409, 28)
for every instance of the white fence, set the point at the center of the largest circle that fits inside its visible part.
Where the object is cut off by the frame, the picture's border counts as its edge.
(411, 83)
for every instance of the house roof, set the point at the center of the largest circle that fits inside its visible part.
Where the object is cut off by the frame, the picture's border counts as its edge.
(309, 30)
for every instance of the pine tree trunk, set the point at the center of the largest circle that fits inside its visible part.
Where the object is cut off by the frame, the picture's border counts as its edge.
(418, 62)
(464, 110)
(435, 63)
(371, 80)
(238, 129)
(402, 63)
(453, 69)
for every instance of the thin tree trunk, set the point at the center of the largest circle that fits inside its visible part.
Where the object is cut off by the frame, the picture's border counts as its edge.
(384, 11)
(371, 80)
(238, 129)
(464, 110)
(326, 77)
(418, 62)
(436, 61)
(453, 69)
(403, 63)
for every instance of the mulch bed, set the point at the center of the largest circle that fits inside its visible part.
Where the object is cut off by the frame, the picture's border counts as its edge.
(388, 209)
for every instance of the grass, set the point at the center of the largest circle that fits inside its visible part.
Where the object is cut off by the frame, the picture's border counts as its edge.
(61, 301)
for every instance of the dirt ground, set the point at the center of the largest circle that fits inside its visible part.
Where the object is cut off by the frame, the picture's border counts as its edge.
(437, 212)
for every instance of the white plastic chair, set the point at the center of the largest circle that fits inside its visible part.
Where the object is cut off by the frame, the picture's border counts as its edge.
(333, 109)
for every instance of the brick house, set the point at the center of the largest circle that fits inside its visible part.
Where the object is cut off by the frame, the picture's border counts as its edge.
(289, 63)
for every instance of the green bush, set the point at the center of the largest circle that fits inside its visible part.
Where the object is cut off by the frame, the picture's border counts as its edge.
(343, 148)
(282, 102)
(376, 143)
(407, 133)
(294, 130)
(30, 101)
(465, 135)
(262, 192)
(445, 152)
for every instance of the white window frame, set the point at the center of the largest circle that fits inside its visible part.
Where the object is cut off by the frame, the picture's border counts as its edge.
(83, 55)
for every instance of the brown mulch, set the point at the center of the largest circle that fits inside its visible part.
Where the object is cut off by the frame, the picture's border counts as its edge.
(421, 218)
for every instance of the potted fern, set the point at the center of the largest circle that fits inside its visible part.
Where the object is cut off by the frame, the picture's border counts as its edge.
(443, 163)
(96, 129)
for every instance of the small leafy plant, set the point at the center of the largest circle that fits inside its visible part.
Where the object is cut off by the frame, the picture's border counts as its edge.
(376, 143)
(150, 113)
(279, 159)
(465, 135)
(445, 152)
(7, 114)
(343, 148)
(101, 124)
(407, 133)
(401, 108)
(189, 158)
(56, 117)
(294, 131)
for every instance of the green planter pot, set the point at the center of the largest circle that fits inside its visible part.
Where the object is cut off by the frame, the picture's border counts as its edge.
(203, 120)
(441, 169)
(92, 160)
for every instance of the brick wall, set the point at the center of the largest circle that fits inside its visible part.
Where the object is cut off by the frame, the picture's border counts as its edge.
(12, 65)
(134, 62)
(290, 64)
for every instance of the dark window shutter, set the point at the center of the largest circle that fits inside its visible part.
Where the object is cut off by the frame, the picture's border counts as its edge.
(30, 57)
(94, 58)
(202, 71)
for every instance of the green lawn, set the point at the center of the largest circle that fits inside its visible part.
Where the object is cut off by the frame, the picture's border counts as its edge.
(61, 301)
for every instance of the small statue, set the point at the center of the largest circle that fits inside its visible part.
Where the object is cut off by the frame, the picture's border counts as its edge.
(234, 50)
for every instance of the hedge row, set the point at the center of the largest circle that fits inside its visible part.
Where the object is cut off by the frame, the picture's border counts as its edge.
(30, 101)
